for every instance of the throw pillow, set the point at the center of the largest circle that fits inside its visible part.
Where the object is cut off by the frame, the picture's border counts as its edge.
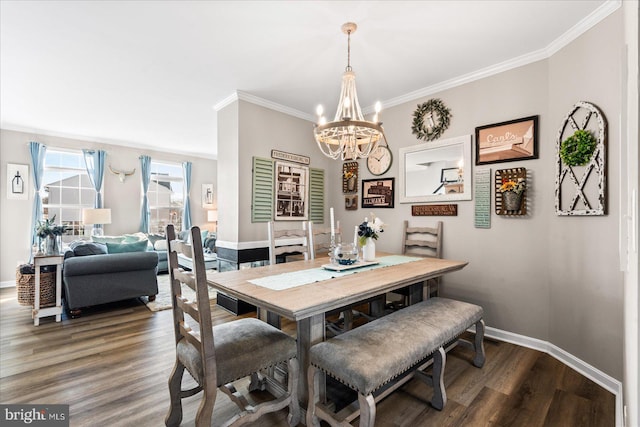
(107, 239)
(160, 245)
(210, 243)
(83, 248)
(118, 248)
(153, 238)
(135, 237)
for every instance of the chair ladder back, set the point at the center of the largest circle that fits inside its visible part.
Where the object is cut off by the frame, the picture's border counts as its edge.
(199, 310)
(320, 239)
(422, 241)
(288, 241)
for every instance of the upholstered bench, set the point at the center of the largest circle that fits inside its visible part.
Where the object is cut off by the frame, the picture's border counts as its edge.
(369, 359)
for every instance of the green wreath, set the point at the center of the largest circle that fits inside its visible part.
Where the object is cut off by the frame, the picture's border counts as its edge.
(578, 148)
(430, 133)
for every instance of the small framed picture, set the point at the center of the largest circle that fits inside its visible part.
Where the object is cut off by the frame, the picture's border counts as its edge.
(17, 181)
(207, 196)
(377, 193)
(507, 141)
(291, 190)
(351, 202)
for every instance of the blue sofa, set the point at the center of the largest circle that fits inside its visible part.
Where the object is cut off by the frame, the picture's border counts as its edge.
(92, 277)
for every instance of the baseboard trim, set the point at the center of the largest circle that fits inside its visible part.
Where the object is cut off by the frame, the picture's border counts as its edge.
(8, 284)
(597, 376)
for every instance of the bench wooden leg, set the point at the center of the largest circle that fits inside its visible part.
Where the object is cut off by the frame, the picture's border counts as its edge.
(292, 382)
(439, 392)
(478, 344)
(367, 410)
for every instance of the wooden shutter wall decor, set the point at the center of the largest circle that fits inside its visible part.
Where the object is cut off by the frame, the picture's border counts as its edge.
(316, 195)
(262, 192)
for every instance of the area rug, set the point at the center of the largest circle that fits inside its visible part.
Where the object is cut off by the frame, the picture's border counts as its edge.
(163, 299)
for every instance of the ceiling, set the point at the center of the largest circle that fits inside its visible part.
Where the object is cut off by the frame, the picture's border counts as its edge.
(151, 73)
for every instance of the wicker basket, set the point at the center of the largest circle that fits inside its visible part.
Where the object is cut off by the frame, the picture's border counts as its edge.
(25, 286)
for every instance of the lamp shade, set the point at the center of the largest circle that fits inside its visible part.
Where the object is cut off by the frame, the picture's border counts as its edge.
(96, 216)
(212, 216)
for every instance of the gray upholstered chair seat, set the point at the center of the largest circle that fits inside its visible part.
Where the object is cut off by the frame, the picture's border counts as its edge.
(367, 357)
(242, 347)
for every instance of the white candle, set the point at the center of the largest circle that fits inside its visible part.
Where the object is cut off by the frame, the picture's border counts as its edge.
(333, 227)
(355, 237)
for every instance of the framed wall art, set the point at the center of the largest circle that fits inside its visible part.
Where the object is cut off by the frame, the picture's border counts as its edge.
(351, 202)
(207, 196)
(291, 190)
(507, 141)
(17, 181)
(378, 193)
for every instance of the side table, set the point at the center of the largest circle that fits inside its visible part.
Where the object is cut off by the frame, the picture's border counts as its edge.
(38, 312)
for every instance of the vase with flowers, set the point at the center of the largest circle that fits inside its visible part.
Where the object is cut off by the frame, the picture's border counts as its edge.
(50, 235)
(367, 234)
(512, 192)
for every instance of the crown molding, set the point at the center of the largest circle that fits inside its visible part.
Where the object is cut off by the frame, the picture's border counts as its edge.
(570, 35)
(583, 26)
(115, 142)
(245, 96)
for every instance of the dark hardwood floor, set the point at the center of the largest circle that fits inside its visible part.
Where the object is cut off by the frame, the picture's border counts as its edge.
(111, 366)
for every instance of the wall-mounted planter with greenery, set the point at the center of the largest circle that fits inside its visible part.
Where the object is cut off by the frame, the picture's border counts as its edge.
(578, 149)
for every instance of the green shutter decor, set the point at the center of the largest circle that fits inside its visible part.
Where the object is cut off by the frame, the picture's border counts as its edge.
(262, 190)
(316, 195)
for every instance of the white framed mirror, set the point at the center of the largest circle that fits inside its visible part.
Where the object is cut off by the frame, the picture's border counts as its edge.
(436, 171)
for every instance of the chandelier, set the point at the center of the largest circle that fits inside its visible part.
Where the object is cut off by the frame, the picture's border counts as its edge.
(349, 135)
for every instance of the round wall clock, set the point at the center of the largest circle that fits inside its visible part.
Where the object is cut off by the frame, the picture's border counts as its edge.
(430, 120)
(379, 160)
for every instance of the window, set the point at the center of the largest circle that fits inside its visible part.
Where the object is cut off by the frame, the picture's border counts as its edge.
(67, 189)
(166, 196)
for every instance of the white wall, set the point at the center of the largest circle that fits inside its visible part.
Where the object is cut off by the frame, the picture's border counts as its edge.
(122, 198)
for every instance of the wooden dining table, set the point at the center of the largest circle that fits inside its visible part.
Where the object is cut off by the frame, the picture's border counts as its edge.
(307, 304)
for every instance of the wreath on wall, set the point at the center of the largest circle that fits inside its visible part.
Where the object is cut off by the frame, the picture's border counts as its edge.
(437, 117)
(578, 148)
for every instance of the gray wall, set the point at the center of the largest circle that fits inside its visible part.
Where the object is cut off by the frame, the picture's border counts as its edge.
(246, 130)
(122, 198)
(543, 276)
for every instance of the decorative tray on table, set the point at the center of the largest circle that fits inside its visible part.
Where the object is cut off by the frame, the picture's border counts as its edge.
(357, 264)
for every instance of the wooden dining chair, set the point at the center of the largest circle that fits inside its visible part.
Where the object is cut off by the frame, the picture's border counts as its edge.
(423, 242)
(321, 239)
(288, 242)
(341, 320)
(217, 356)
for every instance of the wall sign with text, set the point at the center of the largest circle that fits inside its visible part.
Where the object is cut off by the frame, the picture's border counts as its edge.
(377, 193)
(434, 210)
(507, 141)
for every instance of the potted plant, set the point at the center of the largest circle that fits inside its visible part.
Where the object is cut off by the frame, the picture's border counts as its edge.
(50, 234)
(512, 193)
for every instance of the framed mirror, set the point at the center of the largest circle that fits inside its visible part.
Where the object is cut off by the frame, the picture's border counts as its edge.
(436, 171)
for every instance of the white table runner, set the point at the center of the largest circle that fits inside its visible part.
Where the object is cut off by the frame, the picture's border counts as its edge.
(279, 282)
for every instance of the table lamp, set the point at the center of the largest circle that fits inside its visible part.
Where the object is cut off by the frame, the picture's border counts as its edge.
(97, 217)
(212, 216)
